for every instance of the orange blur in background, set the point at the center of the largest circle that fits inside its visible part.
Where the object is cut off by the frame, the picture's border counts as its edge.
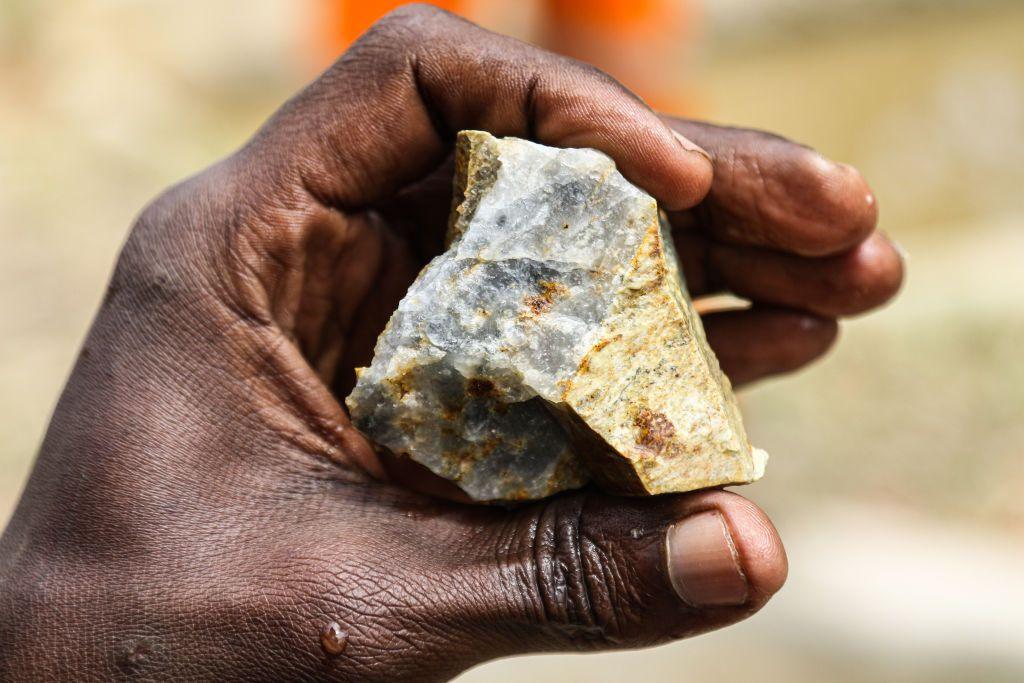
(642, 43)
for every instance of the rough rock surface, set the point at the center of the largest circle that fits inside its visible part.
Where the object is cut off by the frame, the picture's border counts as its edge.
(553, 343)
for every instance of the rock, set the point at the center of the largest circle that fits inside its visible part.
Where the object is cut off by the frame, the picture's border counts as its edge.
(553, 343)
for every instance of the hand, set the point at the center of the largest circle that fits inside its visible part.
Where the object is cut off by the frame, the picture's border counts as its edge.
(201, 506)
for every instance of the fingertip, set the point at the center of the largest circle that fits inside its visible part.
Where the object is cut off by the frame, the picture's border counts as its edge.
(689, 173)
(759, 547)
(813, 334)
(704, 567)
(876, 272)
(669, 167)
(809, 337)
(844, 204)
(726, 553)
(690, 146)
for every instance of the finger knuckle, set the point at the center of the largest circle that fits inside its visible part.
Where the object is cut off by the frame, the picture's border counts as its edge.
(148, 270)
(170, 252)
(399, 30)
(590, 72)
(595, 79)
(414, 16)
(412, 12)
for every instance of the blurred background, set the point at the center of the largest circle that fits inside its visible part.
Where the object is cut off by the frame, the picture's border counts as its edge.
(897, 476)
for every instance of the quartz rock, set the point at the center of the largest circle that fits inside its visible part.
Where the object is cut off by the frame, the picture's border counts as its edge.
(553, 343)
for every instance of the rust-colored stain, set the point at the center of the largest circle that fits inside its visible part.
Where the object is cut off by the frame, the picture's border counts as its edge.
(537, 304)
(541, 302)
(647, 367)
(585, 363)
(650, 252)
(654, 430)
(486, 447)
(403, 384)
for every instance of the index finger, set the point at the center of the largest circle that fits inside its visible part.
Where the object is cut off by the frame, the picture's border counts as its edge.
(388, 110)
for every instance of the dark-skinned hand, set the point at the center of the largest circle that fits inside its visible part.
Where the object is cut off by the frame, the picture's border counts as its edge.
(201, 507)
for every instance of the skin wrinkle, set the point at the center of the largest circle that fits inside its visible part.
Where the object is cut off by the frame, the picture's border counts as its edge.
(522, 593)
(201, 508)
(441, 129)
(762, 193)
(314, 301)
(578, 590)
(599, 580)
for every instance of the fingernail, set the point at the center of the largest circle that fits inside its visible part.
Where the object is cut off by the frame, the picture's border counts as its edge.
(690, 146)
(703, 564)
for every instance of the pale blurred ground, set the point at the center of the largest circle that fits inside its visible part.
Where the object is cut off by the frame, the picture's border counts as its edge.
(897, 476)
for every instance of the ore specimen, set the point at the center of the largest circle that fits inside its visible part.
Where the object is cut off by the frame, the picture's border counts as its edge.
(553, 343)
